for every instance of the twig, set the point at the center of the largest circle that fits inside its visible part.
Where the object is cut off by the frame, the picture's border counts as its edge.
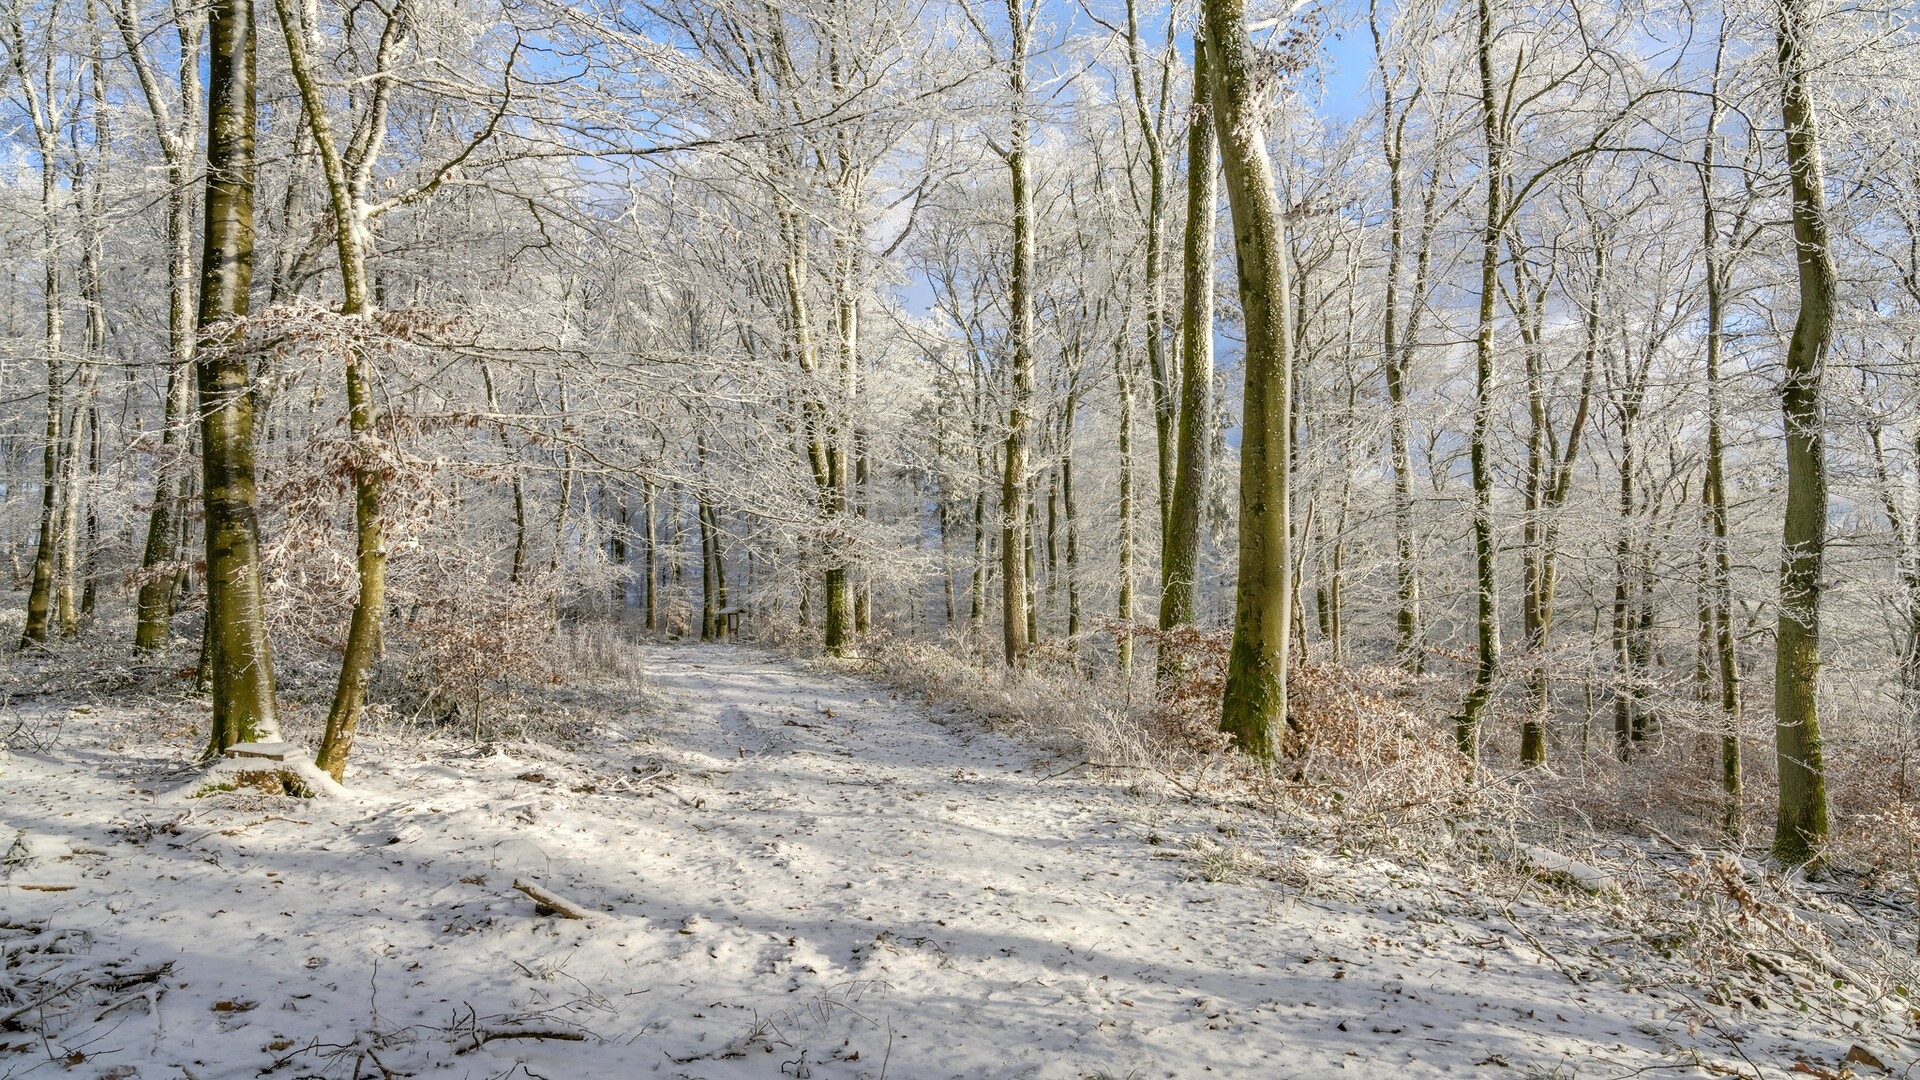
(1724, 1034)
(1542, 949)
(1065, 771)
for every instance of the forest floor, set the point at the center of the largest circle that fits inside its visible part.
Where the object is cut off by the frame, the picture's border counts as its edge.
(788, 873)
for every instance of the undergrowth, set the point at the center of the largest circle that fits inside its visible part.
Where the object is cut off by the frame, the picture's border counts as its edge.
(1368, 766)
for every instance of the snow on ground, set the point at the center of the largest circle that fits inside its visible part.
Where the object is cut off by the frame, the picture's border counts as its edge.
(793, 874)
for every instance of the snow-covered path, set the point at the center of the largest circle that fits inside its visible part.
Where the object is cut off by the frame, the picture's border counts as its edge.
(800, 876)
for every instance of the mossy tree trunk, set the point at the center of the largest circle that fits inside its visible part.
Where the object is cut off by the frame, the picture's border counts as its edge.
(348, 173)
(239, 659)
(1800, 827)
(1180, 548)
(1255, 698)
(41, 102)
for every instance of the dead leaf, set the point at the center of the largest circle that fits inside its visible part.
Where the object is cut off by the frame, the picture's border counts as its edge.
(1860, 1055)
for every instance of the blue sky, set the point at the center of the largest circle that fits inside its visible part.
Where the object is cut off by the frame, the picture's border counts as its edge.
(1346, 62)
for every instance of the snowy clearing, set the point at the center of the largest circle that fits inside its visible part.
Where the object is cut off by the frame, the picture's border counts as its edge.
(785, 873)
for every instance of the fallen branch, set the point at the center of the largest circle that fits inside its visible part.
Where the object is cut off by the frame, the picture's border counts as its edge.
(121, 980)
(150, 995)
(547, 903)
(43, 999)
(482, 1037)
(1553, 866)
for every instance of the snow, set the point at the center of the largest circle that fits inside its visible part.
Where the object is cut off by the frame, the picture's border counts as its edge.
(1580, 874)
(245, 763)
(789, 873)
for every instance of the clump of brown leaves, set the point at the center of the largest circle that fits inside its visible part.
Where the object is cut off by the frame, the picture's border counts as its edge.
(1352, 746)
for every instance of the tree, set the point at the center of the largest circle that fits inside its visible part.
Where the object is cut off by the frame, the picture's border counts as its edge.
(175, 137)
(1255, 698)
(1800, 827)
(1014, 587)
(239, 657)
(1180, 555)
(1493, 130)
(43, 96)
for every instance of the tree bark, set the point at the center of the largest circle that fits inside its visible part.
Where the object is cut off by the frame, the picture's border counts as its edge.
(1074, 626)
(1255, 697)
(1124, 602)
(346, 176)
(1165, 401)
(40, 110)
(1396, 346)
(1180, 554)
(1549, 481)
(240, 660)
(1485, 551)
(1718, 588)
(651, 561)
(1013, 476)
(1800, 827)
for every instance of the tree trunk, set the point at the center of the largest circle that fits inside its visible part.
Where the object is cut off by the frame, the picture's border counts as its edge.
(1165, 416)
(651, 561)
(1625, 692)
(982, 483)
(617, 555)
(942, 521)
(1074, 624)
(713, 603)
(346, 197)
(1720, 607)
(156, 602)
(1396, 352)
(1124, 604)
(1013, 476)
(1485, 552)
(1536, 607)
(1180, 548)
(1800, 827)
(1032, 536)
(709, 609)
(1718, 590)
(67, 569)
(240, 661)
(89, 182)
(1255, 696)
(1550, 479)
(40, 109)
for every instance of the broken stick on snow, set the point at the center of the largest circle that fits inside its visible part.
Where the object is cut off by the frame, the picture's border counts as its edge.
(546, 903)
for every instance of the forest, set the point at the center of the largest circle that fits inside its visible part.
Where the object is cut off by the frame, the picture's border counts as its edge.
(1346, 446)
